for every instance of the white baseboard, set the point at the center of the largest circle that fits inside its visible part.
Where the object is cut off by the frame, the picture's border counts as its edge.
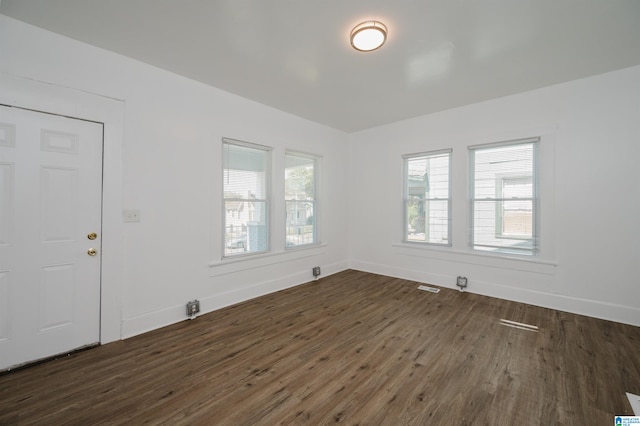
(592, 308)
(149, 321)
(170, 315)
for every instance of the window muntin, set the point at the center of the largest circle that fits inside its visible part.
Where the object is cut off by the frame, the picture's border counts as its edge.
(300, 181)
(504, 197)
(427, 195)
(246, 197)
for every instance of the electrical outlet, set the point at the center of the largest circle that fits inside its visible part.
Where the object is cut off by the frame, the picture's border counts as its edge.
(316, 271)
(461, 282)
(193, 308)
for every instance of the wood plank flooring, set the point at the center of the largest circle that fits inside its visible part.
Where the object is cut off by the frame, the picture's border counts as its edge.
(352, 348)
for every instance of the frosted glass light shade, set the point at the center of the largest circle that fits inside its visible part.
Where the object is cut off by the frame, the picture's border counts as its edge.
(368, 36)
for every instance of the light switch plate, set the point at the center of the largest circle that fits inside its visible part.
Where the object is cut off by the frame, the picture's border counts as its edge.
(131, 215)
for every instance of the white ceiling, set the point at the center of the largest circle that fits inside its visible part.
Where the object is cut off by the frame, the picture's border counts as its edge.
(295, 55)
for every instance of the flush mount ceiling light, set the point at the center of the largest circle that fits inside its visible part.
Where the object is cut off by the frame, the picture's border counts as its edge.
(368, 36)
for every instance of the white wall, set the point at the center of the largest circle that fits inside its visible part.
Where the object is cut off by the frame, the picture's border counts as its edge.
(170, 169)
(163, 158)
(590, 198)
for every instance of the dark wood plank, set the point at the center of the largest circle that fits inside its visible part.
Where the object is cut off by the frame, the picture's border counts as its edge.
(352, 348)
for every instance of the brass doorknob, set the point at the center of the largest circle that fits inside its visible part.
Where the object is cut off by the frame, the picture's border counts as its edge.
(92, 252)
(92, 236)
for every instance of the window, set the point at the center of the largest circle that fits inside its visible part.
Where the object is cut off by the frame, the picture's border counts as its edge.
(426, 197)
(300, 176)
(504, 197)
(246, 197)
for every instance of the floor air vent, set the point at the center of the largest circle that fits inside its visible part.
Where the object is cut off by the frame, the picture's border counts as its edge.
(430, 289)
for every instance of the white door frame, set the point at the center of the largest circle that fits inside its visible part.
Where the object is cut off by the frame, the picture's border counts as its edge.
(45, 97)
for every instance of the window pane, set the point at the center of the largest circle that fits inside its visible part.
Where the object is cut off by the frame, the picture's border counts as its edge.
(492, 164)
(504, 198)
(245, 177)
(299, 178)
(517, 218)
(510, 233)
(245, 227)
(428, 221)
(300, 188)
(427, 198)
(415, 220)
(300, 223)
(244, 172)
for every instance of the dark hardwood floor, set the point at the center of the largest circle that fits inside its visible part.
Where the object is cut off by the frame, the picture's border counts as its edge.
(352, 348)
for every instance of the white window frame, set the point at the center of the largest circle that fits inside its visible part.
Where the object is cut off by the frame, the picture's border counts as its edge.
(267, 196)
(405, 199)
(534, 199)
(316, 174)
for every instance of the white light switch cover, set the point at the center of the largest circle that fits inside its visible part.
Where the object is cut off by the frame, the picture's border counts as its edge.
(131, 215)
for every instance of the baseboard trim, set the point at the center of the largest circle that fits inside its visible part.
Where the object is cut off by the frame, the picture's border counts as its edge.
(149, 321)
(592, 308)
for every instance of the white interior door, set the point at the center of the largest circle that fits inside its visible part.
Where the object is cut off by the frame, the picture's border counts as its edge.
(50, 203)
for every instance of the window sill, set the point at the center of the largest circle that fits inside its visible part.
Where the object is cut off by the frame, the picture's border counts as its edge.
(244, 262)
(534, 265)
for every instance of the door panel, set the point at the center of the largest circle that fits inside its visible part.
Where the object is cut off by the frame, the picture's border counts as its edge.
(6, 203)
(4, 306)
(58, 201)
(56, 296)
(50, 200)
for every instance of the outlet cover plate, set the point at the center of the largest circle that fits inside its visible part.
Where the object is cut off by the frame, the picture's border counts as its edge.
(193, 307)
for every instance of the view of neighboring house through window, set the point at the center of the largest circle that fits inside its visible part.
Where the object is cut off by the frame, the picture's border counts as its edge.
(246, 197)
(300, 176)
(427, 194)
(504, 197)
